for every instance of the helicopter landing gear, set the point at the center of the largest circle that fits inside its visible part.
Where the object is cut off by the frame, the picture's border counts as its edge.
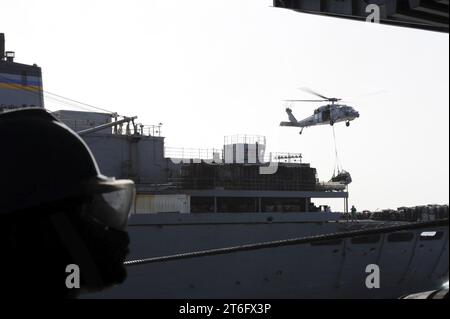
(301, 131)
(347, 123)
(331, 122)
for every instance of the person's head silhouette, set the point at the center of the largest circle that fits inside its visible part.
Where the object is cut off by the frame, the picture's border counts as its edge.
(56, 210)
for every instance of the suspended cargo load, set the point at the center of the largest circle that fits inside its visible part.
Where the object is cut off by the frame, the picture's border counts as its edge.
(343, 177)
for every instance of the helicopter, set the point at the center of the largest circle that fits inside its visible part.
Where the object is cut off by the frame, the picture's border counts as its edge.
(331, 113)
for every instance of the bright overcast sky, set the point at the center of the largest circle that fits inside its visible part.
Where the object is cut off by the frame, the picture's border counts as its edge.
(207, 68)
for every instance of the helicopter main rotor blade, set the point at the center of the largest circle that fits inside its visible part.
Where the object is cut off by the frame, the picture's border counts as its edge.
(305, 100)
(314, 93)
(330, 99)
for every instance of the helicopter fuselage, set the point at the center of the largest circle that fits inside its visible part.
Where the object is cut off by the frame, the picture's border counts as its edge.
(327, 114)
(331, 113)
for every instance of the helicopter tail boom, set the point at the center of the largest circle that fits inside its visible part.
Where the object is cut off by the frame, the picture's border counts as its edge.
(291, 116)
(289, 124)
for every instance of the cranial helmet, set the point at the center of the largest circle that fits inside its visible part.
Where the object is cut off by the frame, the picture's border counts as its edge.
(44, 163)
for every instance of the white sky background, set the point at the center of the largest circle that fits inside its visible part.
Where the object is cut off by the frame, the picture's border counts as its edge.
(212, 68)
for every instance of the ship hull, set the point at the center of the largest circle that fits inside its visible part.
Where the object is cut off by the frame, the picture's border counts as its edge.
(331, 270)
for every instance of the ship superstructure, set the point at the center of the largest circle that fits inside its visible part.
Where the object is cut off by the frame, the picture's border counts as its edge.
(239, 177)
(20, 84)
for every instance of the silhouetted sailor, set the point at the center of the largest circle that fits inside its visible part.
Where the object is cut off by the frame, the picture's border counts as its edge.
(353, 210)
